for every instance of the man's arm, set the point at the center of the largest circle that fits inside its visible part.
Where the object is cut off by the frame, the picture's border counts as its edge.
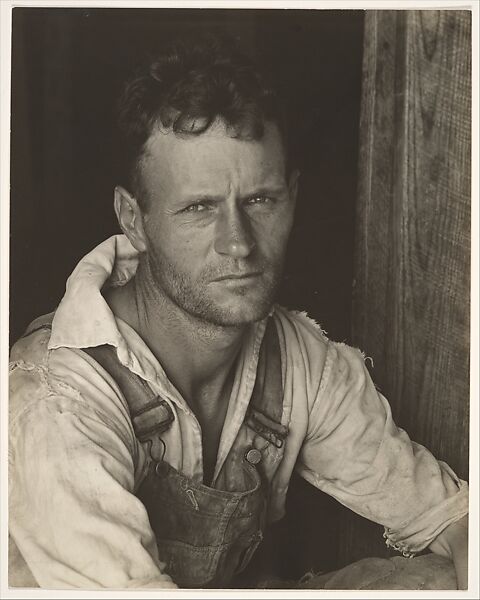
(73, 513)
(453, 543)
(355, 452)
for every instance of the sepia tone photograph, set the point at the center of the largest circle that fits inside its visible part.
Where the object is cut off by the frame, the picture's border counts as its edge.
(239, 298)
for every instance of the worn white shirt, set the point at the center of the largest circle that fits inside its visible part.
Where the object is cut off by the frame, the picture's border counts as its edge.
(75, 464)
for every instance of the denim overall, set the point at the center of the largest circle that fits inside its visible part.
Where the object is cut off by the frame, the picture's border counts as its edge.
(207, 535)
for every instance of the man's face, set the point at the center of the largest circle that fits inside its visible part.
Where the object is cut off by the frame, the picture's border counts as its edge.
(219, 213)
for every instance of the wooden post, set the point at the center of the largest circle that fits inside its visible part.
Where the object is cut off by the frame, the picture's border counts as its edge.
(411, 291)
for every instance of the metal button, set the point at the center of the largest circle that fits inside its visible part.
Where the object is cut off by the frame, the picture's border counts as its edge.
(253, 456)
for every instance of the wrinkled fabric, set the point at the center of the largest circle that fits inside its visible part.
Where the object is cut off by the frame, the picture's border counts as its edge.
(75, 464)
(205, 536)
(428, 572)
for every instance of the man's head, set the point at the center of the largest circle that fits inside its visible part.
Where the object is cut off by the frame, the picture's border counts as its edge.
(207, 199)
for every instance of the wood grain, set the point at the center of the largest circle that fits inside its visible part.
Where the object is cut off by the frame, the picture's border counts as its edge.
(411, 290)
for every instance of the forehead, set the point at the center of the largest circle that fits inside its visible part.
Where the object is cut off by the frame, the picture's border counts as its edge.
(213, 161)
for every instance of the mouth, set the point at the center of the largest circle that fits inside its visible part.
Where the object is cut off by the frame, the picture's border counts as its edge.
(245, 277)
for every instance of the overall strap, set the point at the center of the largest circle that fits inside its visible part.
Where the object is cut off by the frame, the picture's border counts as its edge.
(264, 414)
(149, 413)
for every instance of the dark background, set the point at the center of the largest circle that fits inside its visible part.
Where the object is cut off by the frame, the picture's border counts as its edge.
(67, 70)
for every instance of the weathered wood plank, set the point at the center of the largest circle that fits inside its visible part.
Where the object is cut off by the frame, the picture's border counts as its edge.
(411, 293)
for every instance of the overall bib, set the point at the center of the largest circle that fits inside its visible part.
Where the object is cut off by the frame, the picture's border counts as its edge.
(207, 535)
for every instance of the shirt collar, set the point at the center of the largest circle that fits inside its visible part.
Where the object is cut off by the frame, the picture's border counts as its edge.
(83, 318)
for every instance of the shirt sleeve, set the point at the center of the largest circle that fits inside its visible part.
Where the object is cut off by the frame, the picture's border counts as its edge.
(72, 511)
(354, 451)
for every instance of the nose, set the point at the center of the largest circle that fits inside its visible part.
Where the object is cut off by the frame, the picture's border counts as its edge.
(233, 235)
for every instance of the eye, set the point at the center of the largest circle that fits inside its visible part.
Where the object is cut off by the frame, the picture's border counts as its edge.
(196, 207)
(255, 200)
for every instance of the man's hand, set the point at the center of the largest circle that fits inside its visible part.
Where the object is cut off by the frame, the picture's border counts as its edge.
(453, 543)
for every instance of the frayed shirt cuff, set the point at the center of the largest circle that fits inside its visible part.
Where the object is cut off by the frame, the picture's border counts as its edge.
(417, 534)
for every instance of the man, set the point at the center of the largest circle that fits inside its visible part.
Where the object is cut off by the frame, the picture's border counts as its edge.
(157, 418)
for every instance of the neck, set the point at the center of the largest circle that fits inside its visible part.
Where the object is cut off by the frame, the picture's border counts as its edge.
(194, 354)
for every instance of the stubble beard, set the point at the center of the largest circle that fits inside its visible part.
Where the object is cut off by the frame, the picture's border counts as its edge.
(192, 297)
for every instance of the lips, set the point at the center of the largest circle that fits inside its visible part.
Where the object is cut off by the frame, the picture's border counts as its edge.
(238, 276)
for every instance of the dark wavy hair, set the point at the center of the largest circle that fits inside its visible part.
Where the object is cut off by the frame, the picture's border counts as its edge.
(185, 89)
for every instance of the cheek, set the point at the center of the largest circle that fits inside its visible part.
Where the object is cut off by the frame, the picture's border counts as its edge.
(272, 236)
(176, 245)
(191, 247)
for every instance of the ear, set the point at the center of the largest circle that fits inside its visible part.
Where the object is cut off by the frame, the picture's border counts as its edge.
(293, 184)
(129, 216)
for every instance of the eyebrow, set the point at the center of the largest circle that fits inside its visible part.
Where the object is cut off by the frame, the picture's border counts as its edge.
(273, 190)
(268, 190)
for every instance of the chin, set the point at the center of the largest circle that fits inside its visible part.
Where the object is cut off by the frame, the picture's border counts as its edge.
(228, 308)
(239, 314)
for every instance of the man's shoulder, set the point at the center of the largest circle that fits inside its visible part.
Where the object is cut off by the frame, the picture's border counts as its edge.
(67, 379)
(28, 367)
(32, 346)
(300, 324)
(300, 335)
